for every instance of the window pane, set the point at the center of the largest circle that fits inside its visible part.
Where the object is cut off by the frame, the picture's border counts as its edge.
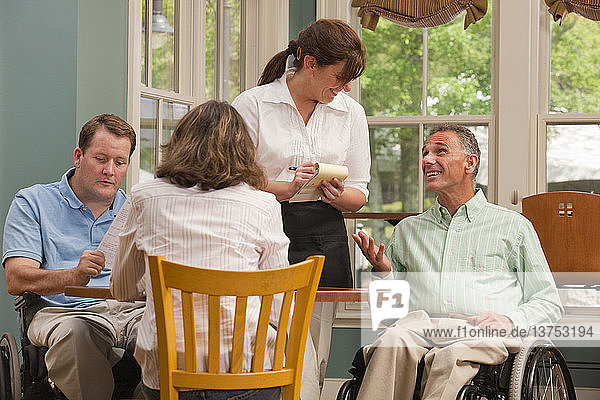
(148, 131)
(144, 55)
(211, 48)
(172, 113)
(481, 134)
(572, 158)
(392, 81)
(394, 183)
(459, 67)
(163, 44)
(574, 66)
(231, 49)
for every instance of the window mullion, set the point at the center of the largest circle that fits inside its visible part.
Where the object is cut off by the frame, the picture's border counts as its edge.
(198, 45)
(425, 72)
(420, 170)
(179, 84)
(148, 34)
(159, 129)
(219, 56)
(423, 113)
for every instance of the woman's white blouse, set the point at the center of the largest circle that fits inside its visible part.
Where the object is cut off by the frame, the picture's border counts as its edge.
(336, 133)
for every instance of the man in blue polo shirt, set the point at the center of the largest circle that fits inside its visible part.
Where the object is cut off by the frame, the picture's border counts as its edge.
(50, 240)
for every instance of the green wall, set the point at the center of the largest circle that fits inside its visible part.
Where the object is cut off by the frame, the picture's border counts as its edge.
(61, 62)
(302, 13)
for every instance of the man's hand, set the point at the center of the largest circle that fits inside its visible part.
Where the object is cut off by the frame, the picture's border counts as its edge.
(492, 320)
(24, 274)
(90, 264)
(375, 254)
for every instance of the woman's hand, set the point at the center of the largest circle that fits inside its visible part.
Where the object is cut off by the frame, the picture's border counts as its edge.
(303, 173)
(331, 190)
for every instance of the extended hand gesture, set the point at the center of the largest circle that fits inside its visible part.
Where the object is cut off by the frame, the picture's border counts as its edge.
(375, 254)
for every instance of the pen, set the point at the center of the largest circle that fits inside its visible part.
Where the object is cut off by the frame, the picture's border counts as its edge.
(292, 168)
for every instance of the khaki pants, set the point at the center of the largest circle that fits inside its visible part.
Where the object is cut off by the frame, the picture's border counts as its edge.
(450, 361)
(84, 344)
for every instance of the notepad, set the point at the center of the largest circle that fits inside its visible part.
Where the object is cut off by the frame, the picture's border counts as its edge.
(323, 172)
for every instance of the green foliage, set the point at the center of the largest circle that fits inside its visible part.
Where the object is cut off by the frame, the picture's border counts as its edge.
(575, 62)
(460, 68)
(391, 83)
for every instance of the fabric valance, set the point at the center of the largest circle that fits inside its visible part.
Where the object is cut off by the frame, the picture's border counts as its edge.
(559, 9)
(419, 13)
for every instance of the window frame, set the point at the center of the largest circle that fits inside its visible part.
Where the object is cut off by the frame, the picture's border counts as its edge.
(188, 57)
(544, 117)
(258, 43)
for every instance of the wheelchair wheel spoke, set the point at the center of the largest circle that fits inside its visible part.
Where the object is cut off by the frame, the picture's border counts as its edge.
(549, 382)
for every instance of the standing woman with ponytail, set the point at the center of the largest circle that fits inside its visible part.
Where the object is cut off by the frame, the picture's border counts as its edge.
(300, 116)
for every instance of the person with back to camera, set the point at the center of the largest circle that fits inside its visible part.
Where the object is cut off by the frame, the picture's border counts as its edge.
(205, 208)
(300, 116)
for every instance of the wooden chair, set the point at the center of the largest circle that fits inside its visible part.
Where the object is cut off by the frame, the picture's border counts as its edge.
(568, 225)
(299, 279)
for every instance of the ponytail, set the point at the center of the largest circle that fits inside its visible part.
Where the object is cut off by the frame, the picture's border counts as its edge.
(274, 68)
(278, 63)
(329, 41)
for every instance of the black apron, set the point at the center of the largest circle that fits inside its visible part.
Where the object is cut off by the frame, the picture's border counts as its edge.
(316, 228)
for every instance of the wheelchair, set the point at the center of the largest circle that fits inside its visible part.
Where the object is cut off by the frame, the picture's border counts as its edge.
(30, 381)
(539, 371)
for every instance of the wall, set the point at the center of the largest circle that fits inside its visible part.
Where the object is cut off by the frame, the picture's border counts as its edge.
(61, 62)
(302, 13)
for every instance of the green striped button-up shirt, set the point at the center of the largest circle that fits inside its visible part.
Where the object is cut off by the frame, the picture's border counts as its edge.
(484, 258)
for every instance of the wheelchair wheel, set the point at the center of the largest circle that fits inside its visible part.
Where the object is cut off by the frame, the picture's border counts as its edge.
(10, 369)
(540, 372)
(349, 390)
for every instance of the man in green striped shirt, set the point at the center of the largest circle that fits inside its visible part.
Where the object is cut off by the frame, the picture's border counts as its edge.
(462, 257)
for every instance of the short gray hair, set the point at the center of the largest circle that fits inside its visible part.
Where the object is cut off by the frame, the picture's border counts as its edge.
(466, 138)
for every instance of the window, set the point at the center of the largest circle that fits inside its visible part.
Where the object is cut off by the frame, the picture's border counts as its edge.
(415, 79)
(184, 52)
(570, 123)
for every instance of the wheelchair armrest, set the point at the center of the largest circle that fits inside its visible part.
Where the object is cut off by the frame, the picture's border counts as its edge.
(26, 299)
(27, 304)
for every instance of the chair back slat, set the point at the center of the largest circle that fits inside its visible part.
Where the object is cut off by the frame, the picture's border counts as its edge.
(239, 331)
(568, 226)
(214, 334)
(256, 283)
(260, 344)
(165, 327)
(284, 318)
(189, 331)
(297, 282)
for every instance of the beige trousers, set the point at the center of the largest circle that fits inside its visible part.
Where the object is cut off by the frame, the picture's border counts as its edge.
(84, 344)
(451, 361)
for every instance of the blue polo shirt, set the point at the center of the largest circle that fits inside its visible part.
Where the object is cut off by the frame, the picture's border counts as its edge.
(49, 224)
